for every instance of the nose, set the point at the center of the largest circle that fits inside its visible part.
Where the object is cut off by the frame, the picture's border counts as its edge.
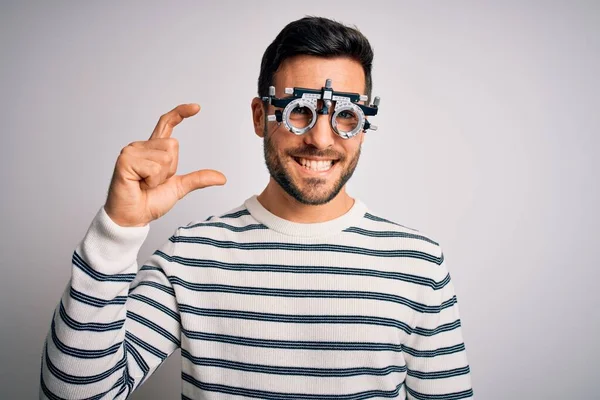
(321, 135)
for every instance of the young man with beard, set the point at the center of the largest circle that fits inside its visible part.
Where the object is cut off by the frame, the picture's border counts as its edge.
(299, 293)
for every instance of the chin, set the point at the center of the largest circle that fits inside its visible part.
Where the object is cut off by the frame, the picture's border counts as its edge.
(305, 194)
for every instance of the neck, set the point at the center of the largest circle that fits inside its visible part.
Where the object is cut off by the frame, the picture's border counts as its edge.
(278, 202)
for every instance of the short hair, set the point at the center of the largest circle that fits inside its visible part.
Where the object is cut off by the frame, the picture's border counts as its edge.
(315, 36)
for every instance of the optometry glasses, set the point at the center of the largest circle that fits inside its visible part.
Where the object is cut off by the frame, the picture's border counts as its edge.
(299, 111)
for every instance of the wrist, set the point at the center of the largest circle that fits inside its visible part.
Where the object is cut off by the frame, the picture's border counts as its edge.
(122, 223)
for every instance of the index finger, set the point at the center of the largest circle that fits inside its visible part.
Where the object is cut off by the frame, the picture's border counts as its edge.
(168, 121)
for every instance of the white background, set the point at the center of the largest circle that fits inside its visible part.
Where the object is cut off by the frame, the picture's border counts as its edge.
(488, 137)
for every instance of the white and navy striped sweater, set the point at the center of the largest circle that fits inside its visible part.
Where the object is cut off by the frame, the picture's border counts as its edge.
(353, 308)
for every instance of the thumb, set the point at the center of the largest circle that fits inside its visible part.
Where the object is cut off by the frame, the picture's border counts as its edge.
(198, 180)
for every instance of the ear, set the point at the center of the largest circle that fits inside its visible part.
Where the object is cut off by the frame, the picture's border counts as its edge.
(258, 116)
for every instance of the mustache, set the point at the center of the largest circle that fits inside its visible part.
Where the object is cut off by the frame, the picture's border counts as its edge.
(314, 152)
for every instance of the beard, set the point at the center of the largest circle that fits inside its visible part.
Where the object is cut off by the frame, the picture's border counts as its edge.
(316, 190)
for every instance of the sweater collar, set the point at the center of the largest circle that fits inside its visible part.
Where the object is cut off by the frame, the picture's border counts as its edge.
(317, 229)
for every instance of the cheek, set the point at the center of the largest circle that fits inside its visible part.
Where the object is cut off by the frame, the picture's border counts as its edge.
(284, 141)
(277, 146)
(350, 149)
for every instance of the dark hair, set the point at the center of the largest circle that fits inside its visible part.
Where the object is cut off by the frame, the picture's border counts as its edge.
(315, 36)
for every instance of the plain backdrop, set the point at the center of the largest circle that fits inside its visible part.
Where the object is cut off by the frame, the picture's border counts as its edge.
(489, 131)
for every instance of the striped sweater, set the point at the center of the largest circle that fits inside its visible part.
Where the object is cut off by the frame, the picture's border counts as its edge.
(353, 308)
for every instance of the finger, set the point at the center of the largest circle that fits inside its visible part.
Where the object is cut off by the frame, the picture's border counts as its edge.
(169, 145)
(131, 156)
(168, 121)
(148, 171)
(164, 158)
(165, 144)
(198, 180)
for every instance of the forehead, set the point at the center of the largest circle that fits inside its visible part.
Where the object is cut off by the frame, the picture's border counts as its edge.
(347, 75)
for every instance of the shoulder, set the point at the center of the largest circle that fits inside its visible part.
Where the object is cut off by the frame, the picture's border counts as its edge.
(237, 219)
(422, 252)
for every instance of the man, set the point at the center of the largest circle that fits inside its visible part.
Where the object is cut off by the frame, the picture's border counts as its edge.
(299, 293)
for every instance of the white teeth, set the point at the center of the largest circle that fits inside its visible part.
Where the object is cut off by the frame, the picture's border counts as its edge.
(315, 165)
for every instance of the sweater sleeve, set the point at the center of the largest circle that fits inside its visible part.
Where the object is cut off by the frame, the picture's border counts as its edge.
(114, 325)
(435, 351)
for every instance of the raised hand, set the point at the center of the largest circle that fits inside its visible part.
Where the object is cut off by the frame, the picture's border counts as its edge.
(144, 186)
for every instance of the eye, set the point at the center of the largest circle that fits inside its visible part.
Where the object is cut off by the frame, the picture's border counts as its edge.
(301, 111)
(346, 115)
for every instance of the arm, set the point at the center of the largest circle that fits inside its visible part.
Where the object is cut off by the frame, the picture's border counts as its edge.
(114, 326)
(435, 351)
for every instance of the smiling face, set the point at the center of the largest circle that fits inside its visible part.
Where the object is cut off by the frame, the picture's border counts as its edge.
(314, 167)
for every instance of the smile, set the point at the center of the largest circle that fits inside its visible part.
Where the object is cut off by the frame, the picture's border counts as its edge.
(315, 165)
